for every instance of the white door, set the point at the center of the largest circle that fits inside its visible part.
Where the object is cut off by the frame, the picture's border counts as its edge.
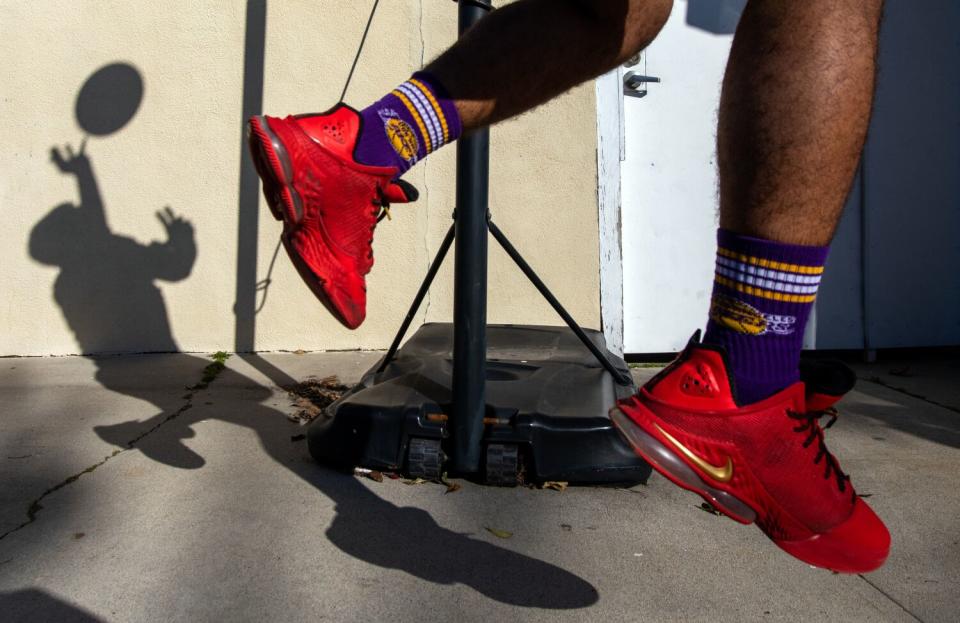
(891, 278)
(669, 178)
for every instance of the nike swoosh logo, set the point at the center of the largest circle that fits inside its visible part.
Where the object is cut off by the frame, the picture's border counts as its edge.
(721, 474)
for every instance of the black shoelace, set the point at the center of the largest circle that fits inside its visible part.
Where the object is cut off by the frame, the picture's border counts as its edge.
(811, 422)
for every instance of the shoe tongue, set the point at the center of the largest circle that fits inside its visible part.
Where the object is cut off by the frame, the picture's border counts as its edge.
(697, 378)
(337, 130)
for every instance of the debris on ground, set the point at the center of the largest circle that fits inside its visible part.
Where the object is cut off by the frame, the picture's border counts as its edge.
(500, 534)
(372, 474)
(566, 527)
(415, 481)
(904, 371)
(708, 508)
(312, 395)
(452, 487)
(556, 485)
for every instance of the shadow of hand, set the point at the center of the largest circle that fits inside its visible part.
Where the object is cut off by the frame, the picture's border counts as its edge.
(178, 228)
(72, 163)
(173, 260)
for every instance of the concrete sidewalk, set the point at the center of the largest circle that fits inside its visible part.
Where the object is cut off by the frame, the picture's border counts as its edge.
(218, 514)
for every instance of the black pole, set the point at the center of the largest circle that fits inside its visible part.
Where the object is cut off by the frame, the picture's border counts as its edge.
(470, 286)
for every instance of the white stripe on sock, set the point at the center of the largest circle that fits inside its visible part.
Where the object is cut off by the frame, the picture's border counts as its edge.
(766, 284)
(426, 112)
(767, 273)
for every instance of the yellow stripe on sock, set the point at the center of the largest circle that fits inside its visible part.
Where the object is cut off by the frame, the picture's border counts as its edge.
(759, 261)
(436, 107)
(766, 294)
(416, 117)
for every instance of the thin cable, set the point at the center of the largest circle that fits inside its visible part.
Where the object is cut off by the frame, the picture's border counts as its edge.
(363, 40)
(264, 285)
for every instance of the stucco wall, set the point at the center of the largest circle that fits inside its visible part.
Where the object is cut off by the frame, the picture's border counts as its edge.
(69, 287)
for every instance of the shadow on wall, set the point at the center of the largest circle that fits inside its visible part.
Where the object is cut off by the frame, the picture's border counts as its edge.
(106, 286)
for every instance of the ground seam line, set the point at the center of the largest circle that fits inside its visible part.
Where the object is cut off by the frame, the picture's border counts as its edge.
(35, 507)
(889, 596)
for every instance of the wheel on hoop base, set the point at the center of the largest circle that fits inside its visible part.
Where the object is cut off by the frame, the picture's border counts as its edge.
(503, 464)
(425, 458)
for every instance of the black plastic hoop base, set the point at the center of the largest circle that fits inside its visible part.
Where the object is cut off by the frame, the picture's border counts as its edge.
(545, 393)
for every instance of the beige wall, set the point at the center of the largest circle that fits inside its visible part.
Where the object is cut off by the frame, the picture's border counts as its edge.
(182, 150)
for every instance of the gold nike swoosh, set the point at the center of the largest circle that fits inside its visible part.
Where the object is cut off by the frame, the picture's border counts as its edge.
(720, 474)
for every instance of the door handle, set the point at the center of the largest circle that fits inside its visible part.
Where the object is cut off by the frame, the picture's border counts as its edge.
(635, 84)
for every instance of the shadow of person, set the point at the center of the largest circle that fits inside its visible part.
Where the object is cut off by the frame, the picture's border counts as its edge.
(106, 285)
(365, 526)
(106, 290)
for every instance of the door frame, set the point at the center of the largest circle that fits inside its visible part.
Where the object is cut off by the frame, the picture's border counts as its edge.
(610, 153)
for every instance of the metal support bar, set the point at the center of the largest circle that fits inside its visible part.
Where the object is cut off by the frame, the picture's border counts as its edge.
(618, 376)
(470, 286)
(421, 293)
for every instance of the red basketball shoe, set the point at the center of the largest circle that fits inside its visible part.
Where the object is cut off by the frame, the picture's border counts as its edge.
(329, 203)
(764, 463)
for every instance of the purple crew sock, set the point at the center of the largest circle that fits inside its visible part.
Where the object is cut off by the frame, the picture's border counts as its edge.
(763, 292)
(412, 121)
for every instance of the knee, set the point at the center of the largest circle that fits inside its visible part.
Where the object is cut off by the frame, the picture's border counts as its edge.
(645, 21)
(634, 23)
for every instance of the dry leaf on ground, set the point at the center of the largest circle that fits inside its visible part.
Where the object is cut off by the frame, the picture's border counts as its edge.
(500, 534)
(311, 396)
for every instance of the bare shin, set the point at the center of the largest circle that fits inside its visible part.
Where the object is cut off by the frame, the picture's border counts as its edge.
(530, 51)
(793, 116)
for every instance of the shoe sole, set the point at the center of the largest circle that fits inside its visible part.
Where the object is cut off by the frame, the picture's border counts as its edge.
(677, 471)
(276, 173)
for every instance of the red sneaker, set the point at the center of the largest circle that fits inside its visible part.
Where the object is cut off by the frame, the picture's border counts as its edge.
(764, 463)
(329, 203)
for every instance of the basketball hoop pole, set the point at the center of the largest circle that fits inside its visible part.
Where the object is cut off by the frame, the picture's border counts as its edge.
(470, 283)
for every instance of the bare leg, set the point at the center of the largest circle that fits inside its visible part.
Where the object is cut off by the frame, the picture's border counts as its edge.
(530, 51)
(793, 116)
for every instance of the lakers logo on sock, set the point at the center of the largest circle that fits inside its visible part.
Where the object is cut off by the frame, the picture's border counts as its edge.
(746, 319)
(737, 315)
(402, 137)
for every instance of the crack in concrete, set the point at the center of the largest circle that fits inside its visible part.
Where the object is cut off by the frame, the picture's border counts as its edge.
(210, 374)
(426, 185)
(889, 597)
(906, 392)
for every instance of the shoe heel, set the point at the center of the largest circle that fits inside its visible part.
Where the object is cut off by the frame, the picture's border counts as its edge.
(269, 158)
(676, 469)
